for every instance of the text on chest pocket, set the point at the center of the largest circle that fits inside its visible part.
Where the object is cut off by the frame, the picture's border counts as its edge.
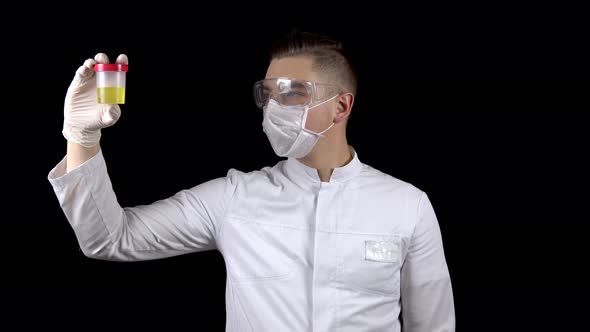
(370, 263)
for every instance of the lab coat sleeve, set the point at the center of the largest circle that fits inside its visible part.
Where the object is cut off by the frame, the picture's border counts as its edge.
(185, 222)
(426, 293)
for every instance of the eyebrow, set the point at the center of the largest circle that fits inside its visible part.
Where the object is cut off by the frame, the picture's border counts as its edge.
(266, 87)
(296, 84)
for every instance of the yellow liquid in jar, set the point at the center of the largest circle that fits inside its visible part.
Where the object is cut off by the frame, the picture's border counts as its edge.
(110, 95)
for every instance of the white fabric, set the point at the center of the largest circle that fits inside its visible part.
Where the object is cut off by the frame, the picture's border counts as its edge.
(362, 252)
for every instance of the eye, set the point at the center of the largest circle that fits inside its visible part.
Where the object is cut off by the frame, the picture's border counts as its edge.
(294, 94)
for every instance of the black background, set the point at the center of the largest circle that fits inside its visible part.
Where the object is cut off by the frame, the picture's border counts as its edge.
(482, 108)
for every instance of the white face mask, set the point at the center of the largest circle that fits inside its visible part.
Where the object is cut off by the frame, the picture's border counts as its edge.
(285, 128)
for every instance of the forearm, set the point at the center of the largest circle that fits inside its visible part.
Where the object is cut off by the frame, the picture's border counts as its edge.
(77, 155)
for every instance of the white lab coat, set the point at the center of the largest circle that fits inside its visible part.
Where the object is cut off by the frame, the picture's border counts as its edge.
(301, 254)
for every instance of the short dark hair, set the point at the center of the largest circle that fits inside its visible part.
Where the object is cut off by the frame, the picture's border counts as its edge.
(328, 56)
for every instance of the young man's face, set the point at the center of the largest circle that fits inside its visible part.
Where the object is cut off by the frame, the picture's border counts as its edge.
(320, 117)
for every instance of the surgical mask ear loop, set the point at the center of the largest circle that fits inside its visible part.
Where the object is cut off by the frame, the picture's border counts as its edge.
(307, 108)
(325, 130)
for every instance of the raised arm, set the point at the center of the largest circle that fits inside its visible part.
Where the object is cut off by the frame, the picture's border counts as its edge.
(185, 222)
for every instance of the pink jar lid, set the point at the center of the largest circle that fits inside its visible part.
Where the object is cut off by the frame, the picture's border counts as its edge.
(110, 67)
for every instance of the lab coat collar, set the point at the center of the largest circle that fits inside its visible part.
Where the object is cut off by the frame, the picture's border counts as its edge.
(340, 174)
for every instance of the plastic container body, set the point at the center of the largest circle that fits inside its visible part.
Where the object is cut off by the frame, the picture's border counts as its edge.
(110, 83)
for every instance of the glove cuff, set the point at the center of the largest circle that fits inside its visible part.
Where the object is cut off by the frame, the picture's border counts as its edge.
(86, 138)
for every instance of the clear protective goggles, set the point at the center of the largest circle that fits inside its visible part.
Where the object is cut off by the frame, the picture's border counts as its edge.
(293, 92)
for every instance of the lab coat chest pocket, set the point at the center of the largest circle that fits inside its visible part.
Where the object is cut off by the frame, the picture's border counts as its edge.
(255, 252)
(370, 263)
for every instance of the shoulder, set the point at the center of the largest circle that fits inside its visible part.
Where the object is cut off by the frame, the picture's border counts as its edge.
(236, 184)
(386, 185)
(269, 175)
(402, 201)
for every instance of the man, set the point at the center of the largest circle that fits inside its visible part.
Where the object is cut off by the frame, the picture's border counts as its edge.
(319, 242)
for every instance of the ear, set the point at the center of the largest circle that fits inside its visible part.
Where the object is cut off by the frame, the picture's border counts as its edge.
(343, 107)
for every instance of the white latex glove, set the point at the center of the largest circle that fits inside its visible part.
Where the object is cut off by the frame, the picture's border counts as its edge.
(84, 117)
